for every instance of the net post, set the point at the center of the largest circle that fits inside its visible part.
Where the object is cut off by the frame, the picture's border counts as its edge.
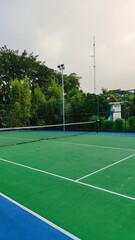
(97, 125)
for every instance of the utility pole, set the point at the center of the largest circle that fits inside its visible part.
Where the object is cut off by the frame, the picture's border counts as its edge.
(94, 78)
(94, 63)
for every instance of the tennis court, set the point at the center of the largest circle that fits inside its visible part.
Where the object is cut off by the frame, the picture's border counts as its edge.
(83, 184)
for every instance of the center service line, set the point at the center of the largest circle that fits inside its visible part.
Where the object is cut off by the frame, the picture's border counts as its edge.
(68, 179)
(101, 169)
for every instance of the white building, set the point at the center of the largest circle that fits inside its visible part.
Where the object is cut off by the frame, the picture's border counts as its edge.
(115, 110)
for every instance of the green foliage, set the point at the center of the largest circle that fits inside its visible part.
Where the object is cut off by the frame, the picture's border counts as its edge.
(15, 66)
(71, 82)
(131, 123)
(107, 125)
(54, 91)
(37, 96)
(85, 107)
(2, 118)
(75, 106)
(15, 91)
(118, 124)
(104, 107)
(16, 115)
(127, 99)
(38, 99)
(20, 103)
(91, 104)
(49, 113)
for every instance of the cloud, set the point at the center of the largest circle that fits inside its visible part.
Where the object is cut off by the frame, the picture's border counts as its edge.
(62, 31)
(129, 37)
(50, 44)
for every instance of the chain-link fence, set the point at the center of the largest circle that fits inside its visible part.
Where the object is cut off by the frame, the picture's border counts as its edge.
(51, 113)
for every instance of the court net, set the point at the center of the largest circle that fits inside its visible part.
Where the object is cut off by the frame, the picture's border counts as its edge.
(21, 135)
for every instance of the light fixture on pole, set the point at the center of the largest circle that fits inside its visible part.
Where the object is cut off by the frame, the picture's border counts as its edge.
(61, 68)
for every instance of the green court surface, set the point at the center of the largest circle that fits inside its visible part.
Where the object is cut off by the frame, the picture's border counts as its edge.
(84, 184)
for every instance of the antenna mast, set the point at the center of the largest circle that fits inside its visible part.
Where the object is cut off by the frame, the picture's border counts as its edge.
(94, 64)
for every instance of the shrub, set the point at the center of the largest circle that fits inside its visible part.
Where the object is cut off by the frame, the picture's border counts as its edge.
(118, 124)
(108, 125)
(131, 123)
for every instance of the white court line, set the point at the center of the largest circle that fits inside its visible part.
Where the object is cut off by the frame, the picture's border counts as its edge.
(108, 191)
(35, 169)
(68, 179)
(40, 217)
(101, 169)
(91, 145)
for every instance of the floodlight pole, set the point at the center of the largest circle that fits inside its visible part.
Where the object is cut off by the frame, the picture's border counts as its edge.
(61, 68)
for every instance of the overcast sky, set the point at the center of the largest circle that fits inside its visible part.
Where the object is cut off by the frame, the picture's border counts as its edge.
(61, 31)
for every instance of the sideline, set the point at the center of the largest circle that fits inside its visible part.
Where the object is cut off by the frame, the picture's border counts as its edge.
(27, 220)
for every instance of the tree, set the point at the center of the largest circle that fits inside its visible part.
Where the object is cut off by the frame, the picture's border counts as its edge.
(71, 82)
(38, 99)
(104, 107)
(131, 103)
(15, 66)
(20, 103)
(110, 95)
(53, 106)
(96, 106)
(54, 91)
(75, 106)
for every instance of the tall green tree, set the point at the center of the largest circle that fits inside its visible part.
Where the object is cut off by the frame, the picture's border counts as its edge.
(17, 66)
(111, 96)
(71, 82)
(75, 106)
(54, 91)
(20, 103)
(38, 100)
(53, 105)
(96, 106)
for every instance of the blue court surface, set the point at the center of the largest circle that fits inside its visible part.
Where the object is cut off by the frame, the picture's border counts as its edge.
(18, 223)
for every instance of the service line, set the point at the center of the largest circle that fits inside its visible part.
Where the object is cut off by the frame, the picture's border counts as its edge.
(68, 179)
(108, 166)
